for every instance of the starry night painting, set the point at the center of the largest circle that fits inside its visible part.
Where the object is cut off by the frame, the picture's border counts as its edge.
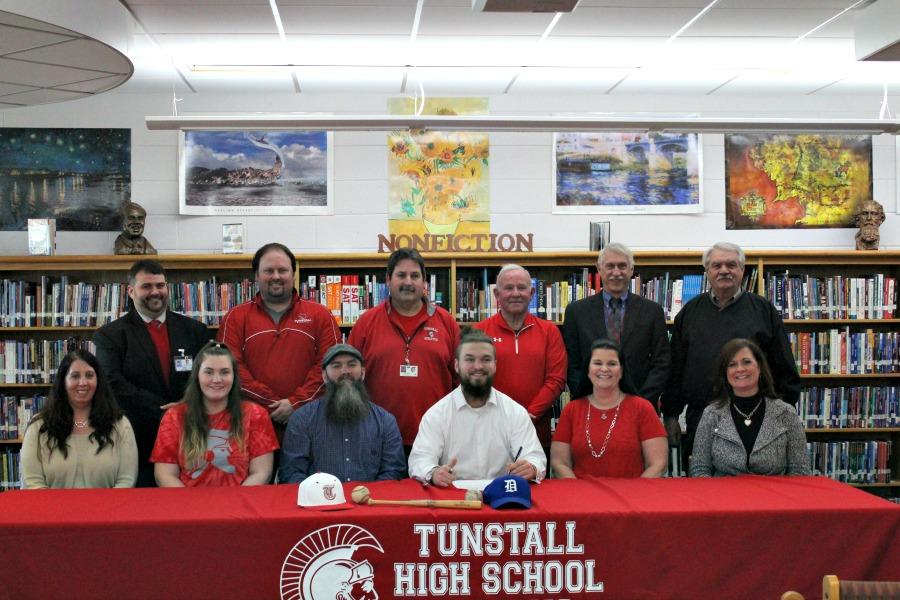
(80, 177)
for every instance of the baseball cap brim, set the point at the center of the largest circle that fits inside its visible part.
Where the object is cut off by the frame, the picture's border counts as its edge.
(326, 507)
(508, 501)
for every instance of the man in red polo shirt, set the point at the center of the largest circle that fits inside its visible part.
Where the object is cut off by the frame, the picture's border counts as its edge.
(531, 355)
(408, 345)
(278, 339)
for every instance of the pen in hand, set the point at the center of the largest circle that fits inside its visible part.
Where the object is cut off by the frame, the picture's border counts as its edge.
(516, 457)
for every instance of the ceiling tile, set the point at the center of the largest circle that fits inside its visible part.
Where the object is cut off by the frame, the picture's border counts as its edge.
(673, 81)
(27, 73)
(337, 20)
(14, 39)
(257, 83)
(337, 80)
(443, 20)
(206, 19)
(460, 81)
(42, 97)
(15, 20)
(9, 88)
(83, 53)
(620, 22)
(775, 82)
(576, 81)
(741, 22)
(95, 86)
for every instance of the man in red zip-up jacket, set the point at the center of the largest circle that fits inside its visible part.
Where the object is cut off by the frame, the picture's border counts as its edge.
(408, 345)
(531, 355)
(278, 339)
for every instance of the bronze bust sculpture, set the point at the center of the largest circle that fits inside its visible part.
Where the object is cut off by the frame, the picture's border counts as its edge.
(132, 240)
(869, 215)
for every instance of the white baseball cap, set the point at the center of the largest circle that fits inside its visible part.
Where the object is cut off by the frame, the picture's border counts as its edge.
(322, 492)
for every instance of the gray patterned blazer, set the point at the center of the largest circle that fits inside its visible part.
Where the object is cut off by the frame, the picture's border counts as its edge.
(780, 447)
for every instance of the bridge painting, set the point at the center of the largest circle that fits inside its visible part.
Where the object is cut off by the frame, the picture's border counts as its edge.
(627, 172)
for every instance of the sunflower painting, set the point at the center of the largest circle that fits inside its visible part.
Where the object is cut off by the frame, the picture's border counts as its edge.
(438, 181)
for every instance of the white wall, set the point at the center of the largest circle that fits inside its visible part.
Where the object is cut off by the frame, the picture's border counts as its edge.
(521, 174)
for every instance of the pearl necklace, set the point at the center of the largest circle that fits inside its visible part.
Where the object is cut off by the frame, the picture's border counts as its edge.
(587, 427)
(81, 424)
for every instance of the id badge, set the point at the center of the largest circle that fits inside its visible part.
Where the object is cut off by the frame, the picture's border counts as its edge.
(409, 370)
(183, 363)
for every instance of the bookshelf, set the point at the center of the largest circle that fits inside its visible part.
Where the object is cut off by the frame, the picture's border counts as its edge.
(656, 273)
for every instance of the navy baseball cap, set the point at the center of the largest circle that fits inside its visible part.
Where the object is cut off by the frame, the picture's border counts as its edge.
(509, 491)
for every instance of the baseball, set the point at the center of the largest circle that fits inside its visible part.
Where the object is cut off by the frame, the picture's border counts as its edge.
(474, 495)
(360, 494)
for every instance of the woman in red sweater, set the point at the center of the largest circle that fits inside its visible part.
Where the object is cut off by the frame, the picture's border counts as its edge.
(608, 433)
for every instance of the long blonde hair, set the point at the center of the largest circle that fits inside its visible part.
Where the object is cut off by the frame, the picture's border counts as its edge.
(195, 433)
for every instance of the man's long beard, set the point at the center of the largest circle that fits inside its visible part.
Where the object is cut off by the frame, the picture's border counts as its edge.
(347, 401)
(477, 390)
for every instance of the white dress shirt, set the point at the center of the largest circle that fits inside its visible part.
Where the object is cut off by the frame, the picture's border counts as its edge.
(482, 440)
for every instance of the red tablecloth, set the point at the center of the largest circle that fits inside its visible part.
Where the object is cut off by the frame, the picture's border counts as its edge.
(741, 538)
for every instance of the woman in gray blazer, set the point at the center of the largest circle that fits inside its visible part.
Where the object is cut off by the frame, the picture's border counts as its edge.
(747, 429)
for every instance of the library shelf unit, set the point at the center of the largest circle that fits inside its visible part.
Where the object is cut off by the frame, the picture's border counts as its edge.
(765, 270)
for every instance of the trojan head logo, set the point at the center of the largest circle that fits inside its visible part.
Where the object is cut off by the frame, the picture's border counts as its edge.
(328, 490)
(321, 566)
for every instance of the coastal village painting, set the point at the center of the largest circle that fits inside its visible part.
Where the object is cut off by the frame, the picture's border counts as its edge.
(255, 172)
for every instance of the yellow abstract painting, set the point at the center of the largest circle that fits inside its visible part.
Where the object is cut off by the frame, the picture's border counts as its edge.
(438, 181)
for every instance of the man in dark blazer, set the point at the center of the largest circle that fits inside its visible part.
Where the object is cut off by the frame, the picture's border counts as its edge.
(638, 324)
(148, 355)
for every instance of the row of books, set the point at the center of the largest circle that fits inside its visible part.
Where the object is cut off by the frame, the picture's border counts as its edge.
(59, 303)
(348, 296)
(670, 292)
(836, 297)
(849, 407)
(844, 352)
(16, 413)
(852, 462)
(475, 299)
(10, 475)
(35, 360)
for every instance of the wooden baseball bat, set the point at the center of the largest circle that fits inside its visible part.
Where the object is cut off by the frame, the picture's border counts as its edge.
(467, 504)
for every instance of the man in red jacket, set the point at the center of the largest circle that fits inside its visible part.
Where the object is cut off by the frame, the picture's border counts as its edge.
(278, 339)
(531, 355)
(408, 345)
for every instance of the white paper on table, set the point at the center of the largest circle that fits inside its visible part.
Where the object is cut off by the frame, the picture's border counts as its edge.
(472, 484)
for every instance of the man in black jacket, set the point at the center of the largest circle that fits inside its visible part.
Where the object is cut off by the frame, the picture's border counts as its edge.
(148, 355)
(637, 324)
(705, 324)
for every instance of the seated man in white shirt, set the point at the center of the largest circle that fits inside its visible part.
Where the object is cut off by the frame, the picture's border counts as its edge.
(476, 432)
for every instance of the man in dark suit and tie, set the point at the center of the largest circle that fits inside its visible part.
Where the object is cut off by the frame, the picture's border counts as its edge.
(148, 355)
(637, 324)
